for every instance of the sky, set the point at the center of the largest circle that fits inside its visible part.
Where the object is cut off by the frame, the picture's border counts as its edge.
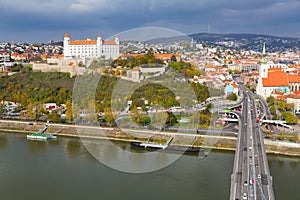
(45, 20)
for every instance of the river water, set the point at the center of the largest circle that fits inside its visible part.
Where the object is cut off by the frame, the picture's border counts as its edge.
(64, 169)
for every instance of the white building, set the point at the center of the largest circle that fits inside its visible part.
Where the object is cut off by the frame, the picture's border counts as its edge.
(109, 49)
(271, 77)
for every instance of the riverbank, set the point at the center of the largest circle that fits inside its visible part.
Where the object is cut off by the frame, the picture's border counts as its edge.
(131, 135)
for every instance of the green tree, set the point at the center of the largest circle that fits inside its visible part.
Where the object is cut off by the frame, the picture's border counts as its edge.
(273, 110)
(294, 137)
(2, 109)
(146, 121)
(69, 111)
(30, 111)
(290, 118)
(282, 105)
(281, 136)
(53, 117)
(173, 59)
(136, 115)
(171, 120)
(271, 100)
(108, 116)
(195, 119)
(159, 119)
(269, 134)
(232, 97)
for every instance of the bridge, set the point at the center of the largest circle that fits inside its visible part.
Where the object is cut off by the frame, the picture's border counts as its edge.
(251, 177)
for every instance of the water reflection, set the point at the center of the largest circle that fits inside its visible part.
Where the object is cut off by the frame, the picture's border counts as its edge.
(36, 146)
(73, 147)
(293, 165)
(280, 164)
(3, 141)
(55, 142)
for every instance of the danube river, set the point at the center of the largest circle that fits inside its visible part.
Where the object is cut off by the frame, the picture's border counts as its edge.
(64, 169)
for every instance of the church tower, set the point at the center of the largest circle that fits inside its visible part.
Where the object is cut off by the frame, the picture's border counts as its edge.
(263, 67)
(263, 72)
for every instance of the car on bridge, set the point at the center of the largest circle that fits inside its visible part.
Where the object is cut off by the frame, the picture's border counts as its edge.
(258, 176)
(245, 196)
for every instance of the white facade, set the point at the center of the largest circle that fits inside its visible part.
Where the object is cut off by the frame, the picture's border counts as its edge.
(109, 49)
(295, 101)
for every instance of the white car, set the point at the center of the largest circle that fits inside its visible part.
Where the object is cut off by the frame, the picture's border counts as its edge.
(258, 176)
(244, 195)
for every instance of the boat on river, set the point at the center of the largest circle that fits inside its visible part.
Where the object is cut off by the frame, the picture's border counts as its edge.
(41, 135)
(177, 148)
(166, 146)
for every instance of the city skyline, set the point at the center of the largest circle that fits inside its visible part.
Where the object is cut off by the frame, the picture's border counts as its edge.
(41, 21)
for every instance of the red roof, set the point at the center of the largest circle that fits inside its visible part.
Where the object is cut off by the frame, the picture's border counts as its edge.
(281, 97)
(275, 79)
(234, 85)
(209, 66)
(136, 69)
(272, 69)
(294, 78)
(278, 93)
(109, 42)
(83, 42)
(297, 92)
(67, 34)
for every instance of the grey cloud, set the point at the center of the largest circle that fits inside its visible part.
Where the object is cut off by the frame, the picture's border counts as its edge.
(112, 16)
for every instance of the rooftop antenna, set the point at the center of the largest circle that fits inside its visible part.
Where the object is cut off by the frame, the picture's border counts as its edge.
(208, 27)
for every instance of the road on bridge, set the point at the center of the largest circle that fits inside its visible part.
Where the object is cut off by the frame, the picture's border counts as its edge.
(251, 175)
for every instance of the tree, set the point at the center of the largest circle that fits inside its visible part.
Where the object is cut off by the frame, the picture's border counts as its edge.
(232, 97)
(171, 120)
(53, 117)
(290, 118)
(159, 119)
(282, 105)
(136, 115)
(294, 137)
(273, 110)
(69, 111)
(195, 119)
(173, 59)
(2, 109)
(269, 134)
(271, 100)
(281, 136)
(145, 121)
(30, 111)
(108, 116)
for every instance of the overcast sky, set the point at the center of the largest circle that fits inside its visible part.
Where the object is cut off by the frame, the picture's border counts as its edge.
(44, 20)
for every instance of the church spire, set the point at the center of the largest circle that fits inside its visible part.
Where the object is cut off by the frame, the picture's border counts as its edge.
(263, 59)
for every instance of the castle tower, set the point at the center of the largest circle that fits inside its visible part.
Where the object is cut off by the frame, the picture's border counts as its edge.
(99, 45)
(66, 45)
(117, 39)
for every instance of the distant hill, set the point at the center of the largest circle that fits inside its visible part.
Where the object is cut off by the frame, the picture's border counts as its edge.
(249, 41)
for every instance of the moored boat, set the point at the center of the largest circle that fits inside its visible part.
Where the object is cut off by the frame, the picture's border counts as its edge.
(41, 136)
(177, 148)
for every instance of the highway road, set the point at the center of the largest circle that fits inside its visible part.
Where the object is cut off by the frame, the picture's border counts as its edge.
(251, 176)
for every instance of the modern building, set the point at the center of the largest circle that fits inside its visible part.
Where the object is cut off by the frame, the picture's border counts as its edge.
(108, 49)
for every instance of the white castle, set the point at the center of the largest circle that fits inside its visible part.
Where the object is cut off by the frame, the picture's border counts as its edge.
(108, 49)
